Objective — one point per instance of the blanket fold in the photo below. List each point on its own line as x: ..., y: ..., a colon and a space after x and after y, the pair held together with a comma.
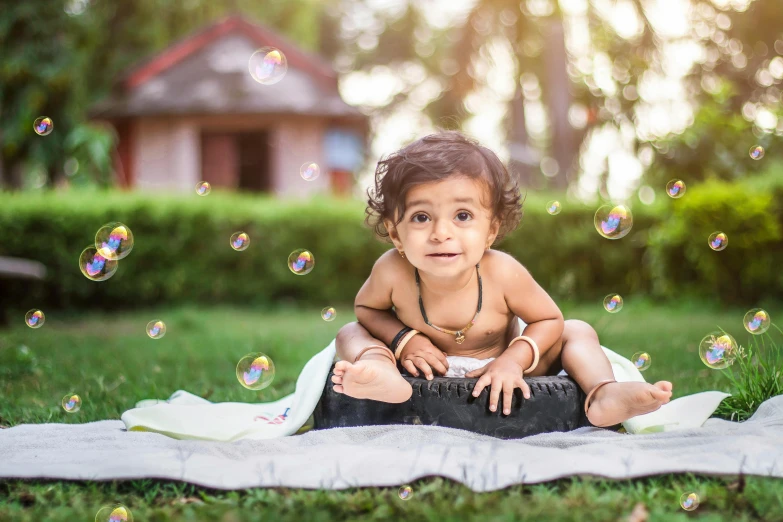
x: 187, y: 416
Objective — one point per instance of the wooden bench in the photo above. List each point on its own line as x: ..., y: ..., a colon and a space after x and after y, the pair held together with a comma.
x: 17, y: 268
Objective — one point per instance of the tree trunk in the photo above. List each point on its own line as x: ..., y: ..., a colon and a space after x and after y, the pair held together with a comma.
x: 522, y: 159
x: 564, y: 147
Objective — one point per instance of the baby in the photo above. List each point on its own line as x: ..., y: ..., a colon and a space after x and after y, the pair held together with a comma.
x: 442, y: 295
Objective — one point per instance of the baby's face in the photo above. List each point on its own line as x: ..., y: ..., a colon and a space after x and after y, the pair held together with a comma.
x: 436, y: 222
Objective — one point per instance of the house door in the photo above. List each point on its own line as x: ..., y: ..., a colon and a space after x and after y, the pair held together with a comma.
x: 236, y: 160
x: 254, y: 161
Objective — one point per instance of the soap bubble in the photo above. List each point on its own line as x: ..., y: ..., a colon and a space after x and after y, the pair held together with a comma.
x: 718, y: 350
x: 115, y: 513
x: 553, y: 207
x: 613, y: 221
x: 43, y: 126
x: 405, y: 492
x: 114, y: 241
x: 613, y: 303
x: 675, y: 188
x: 94, y: 266
x: 641, y: 360
x: 240, y: 241
x: 689, y: 501
x: 34, y: 318
x: 301, y: 261
x: 756, y: 321
x: 328, y: 313
x: 156, y: 329
x: 718, y: 241
x: 255, y: 371
x: 203, y: 188
x: 756, y: 152
x: 268, y: 65
x: 309, y: 171
x: 72, y: 403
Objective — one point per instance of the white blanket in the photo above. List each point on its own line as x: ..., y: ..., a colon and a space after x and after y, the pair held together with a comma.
x: 186, y: 416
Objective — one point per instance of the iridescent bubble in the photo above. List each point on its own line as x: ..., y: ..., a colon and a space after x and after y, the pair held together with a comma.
x: 328, y: 313
x: 72, y: 403
x: 114, y: 241
x: 34, y: 318
x: 43, y: 125
x: 94, y: 266
x: 613, y: 303
x: 641, y: 360
x: 553, y: 207
x: 756, y: 321
x: 114, y: 513
x: 613, y: 221
x: 156, y: 329
x: 309, y: 171
x: 239, y: 241
x: 756, y: 152
x: 301, y: 261
x: 255, y: 371
x: 718, y: 241
x: 718, y: 350
x: 268, y: 65
x: 675, y: 188
x: 405, y: 492
x: 203, y: 188
x: 689, y: 501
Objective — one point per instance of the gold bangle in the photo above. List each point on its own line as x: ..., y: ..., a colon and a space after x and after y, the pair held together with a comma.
x: 403, y: 342
x: 535, y: 351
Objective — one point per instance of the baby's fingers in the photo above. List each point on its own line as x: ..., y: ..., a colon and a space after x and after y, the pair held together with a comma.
x: 408, y: 365
x: 421, y: 363
x: 525, y: 389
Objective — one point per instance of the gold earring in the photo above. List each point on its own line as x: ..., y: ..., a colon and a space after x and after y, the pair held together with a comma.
x: 402, y: 254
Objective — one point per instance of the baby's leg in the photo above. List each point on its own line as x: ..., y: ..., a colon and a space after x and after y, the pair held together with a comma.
x: 585, y: 361
x: 374, y: 376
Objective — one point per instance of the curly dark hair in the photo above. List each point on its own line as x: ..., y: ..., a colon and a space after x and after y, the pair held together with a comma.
x: 434, y: 158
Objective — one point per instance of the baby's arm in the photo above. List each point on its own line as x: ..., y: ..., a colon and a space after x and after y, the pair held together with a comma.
x: 528, y: 301
x: 373, y: 303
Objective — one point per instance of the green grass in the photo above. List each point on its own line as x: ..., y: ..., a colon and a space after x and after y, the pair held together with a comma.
x: 109, y: 361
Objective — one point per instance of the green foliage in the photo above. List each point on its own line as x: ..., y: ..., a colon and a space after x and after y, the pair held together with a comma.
x: 680, y: 260
x: 182, y: 253
x: 759, y: 376
x: 58, y: 65
x: 716, y: 145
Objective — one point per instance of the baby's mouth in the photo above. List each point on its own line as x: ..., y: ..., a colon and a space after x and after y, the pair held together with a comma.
x: 442, y: 255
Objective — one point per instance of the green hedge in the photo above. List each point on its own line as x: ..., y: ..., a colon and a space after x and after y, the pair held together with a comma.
x: 181, y: 251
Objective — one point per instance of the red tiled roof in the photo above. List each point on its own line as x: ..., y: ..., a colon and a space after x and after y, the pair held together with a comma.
x: 263, y: 36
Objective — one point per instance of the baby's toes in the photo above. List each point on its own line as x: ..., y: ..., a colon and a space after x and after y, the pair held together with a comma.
x: 337, y: 379
x: 341, y: 366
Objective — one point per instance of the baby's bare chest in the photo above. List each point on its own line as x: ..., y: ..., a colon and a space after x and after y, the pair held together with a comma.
x: 494, y: 328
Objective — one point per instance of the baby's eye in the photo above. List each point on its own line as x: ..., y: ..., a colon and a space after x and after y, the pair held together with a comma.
x: 416, y: 216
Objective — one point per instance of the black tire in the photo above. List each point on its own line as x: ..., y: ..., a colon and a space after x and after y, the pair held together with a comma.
x: 555, y: 404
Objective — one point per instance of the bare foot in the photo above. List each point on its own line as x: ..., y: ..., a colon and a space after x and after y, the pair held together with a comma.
x: 370, y: 378
x: 619, y: 401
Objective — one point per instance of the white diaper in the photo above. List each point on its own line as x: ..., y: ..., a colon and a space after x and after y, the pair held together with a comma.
x: 459, y: 366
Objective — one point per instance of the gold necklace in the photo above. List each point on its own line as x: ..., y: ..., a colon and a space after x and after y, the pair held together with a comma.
x: 459, y: 334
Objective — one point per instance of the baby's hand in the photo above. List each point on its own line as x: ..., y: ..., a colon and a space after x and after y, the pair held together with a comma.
x: 503, y: 374
x: 419, y: 352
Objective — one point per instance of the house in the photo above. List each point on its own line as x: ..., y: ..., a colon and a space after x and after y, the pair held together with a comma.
x: 194, y: 113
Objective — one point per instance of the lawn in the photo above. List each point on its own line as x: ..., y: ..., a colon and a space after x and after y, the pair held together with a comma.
x: 110, y: 362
